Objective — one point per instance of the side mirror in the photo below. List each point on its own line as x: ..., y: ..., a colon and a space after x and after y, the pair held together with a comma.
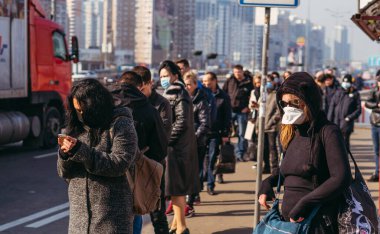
x: 74, y: 49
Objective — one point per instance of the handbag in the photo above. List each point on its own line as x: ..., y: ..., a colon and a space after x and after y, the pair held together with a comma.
x: 274, y: 223
x: 226, y: 162
x: 357, y: 213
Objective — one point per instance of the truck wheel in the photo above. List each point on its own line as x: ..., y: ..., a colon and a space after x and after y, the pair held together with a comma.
x: 52, y: 127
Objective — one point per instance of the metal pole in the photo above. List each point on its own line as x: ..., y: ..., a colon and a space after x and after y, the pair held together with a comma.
x: 358, y: 6
x: 260, y: 147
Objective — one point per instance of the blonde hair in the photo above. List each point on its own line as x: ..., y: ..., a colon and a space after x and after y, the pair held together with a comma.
x: 288, y: 130
x: 190, y: 75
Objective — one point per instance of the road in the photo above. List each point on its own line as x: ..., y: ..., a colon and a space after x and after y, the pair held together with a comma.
x: 33, y: 199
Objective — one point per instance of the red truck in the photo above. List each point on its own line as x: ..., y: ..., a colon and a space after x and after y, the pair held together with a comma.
x: 35, y: 74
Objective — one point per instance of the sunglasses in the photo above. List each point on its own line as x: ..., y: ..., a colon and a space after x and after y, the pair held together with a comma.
x: 296, y: 103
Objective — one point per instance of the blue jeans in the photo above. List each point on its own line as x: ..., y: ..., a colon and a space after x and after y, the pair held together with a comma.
x: 213, y: 152
x: 375, y: 131
x: 137, y: 224
x: 242, y: 145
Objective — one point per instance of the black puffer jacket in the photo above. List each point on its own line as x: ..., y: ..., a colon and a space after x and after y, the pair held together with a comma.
x: 373, y: 104
x: 163, y: 107
x: 345, y: 104
x: 148, y: 124
x: 239, y: 92
x: 201, y: 116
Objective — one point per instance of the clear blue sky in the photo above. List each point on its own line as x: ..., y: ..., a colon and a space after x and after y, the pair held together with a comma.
x: 328, y: 13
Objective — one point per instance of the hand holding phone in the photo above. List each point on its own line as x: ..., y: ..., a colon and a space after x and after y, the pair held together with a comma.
x: 61, y: 137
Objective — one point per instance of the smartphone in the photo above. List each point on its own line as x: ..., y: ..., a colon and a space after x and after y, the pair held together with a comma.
x: 61, y: 137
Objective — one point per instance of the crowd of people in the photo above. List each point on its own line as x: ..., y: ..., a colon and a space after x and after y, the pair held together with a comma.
x: 184, y: 128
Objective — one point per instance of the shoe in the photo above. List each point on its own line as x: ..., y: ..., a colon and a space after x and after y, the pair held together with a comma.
x: 197, y: 200
x: 172, y: 231
x: 240, y: 159
x: 220, y: 179
x: 211, y: 191
x: 189, y: 211
x: 373, y: 178
x: 186, y: 231
x: 169, y: 210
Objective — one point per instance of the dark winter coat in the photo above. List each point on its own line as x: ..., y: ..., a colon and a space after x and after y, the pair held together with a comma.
x: 201, y: 112
x: 345, y: 104
x: 149, y: 127
x: 329, y: 92
x: 163, y: 107
x: 373, y: 104
x: 239, y: 92
x: 99, y: 195
x: 182, y: 161
x: 221, y: 126
x: 315, y: 170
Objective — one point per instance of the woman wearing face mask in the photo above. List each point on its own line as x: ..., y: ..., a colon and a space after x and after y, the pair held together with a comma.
x: 100, y: 146
x: 315, y: 168
x: 345, y: 108
x: 182, y: 161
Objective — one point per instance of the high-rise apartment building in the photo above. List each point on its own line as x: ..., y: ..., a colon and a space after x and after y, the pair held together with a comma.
x: 342, y: 49
x: 93, y: 23
x: 76, y: 23
x: 119, y: 31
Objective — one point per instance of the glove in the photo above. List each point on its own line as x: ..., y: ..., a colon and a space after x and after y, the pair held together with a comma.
x: 347, y: 119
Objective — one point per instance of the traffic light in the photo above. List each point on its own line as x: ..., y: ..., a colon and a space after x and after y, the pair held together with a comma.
x: 197, y: 53
x: 212, y: 56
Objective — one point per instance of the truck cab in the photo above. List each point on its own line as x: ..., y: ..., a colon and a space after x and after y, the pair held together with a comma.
x: 35, y: 76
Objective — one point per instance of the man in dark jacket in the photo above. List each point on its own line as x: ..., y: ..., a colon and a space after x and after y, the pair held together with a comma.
x: 345, y: 108
x: 331, y: 86
x: 149, y: 127
x: 374, y: 103
x: 219, y: 128
x: 239, y: 87
x: 162, y: 105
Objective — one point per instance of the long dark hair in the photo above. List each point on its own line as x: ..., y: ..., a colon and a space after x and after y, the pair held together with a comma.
x: 172, y: 68
x: 97, y: 105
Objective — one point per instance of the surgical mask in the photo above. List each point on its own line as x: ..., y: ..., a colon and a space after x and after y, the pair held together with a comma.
x: 346, y: 85
x: 165, y: 82
x: 293, y: 116
x: 269, y: 85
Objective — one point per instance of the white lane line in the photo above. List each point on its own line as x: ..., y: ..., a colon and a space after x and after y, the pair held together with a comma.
x: 45, y: 155
x: 48, y: 220
x: 33, y: 216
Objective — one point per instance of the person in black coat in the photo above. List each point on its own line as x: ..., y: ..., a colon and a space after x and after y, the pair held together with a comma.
x: 317, y: 172
x: 182, y: 160
x: 345, y: 108
x: 220, y: 128
x: 201, y: 112
x: 331, y: 86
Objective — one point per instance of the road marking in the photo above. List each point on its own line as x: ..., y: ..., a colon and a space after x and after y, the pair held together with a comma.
x: 49, y: 220
x: 33, y: 216
x: 45, y: 155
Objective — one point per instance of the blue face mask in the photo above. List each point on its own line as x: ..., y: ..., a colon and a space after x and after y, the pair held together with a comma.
x: 165, y: 82
x: 346, y: 85
x: 269, y: 85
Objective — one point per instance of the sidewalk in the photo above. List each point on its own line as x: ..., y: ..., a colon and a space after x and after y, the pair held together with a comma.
x: 231, y: 211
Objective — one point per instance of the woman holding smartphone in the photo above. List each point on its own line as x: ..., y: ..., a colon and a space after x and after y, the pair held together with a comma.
x: 93, y: 157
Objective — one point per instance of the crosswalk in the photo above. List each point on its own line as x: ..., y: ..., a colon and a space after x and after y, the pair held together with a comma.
x: 34, y: 221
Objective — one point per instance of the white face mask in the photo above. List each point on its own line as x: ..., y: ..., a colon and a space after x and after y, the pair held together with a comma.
x: 293, y: 116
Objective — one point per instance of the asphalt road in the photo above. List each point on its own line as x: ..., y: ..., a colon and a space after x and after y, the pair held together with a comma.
x: 33, y: 199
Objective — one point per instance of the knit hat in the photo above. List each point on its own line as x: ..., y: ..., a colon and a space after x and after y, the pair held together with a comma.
x: 347, y: 78
x: 302, y: 85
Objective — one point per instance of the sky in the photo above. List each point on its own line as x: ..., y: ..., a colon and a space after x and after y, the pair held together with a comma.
x: 329, y: 13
